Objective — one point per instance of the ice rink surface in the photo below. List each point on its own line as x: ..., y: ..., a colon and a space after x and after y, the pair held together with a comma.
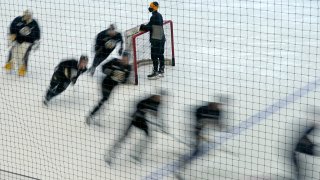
x: 256, y: 52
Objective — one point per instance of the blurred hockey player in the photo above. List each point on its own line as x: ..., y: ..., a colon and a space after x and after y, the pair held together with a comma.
x: 157, y: 40
x: 205, y: 115
x: 106, y: 42
x: 305, y: 145
x: 149, y: 105
x: 209, y: 114
x: 65, y: 73
x: 117, y: 71
x: 24, y: 36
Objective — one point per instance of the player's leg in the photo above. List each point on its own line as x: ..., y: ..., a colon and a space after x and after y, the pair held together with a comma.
x: 25, y: 59
x: 111, y: 154
x: 198, y: 129
x: 107, y: 87
x: 155, y: 60
x: 141, y: 124
x: 161, y: 59
x: 12, y: 58
x: 98, y: 59
x: 24, y: 51
x: 56, y: 87
x: 10, y: 61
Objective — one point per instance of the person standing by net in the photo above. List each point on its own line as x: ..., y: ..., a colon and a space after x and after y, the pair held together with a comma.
x: 157, y: 40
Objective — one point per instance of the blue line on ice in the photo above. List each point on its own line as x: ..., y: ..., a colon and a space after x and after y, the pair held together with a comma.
x: 165, y: 170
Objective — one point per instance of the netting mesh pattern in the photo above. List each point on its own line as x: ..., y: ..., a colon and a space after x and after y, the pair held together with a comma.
x: 257, y: 58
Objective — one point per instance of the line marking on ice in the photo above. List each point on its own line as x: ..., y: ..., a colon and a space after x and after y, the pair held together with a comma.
x: 169, y: 168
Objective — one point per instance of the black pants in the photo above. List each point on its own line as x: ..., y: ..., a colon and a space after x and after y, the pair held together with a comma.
x: 100, y: 57
x: 107, y: 86
x: 57, y: 86
x: 140, y: 123
x: 157, y: 51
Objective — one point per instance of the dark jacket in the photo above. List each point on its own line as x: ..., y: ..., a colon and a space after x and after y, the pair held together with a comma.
x: 68, y: 70
x: 155, y: 26
x: 25, y: 32
x: 101, y: 40
x: 204, y: 112
x: 113, y: 65
x: 144, y: 106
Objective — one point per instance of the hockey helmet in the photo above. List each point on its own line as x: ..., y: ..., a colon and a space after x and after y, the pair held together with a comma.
x: 27, y: 15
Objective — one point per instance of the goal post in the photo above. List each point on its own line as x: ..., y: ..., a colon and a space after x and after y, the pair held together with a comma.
x: 138, y: 45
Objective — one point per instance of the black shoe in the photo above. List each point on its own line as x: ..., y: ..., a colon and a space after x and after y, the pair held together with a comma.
x: 45, y: 102
x: 154, y: 75
x: 88, y: 120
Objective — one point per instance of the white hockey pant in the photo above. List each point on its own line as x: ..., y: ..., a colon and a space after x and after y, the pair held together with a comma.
x: 19, y: 53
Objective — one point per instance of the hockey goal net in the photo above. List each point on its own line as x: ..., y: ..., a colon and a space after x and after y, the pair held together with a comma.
x: 138, y: 45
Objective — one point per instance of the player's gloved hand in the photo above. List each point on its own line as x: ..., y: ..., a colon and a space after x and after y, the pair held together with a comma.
x: 120, y: 51
x: 36, y: 45
x: 142, y: 27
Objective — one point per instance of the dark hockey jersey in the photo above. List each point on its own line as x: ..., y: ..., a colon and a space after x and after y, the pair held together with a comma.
x: 204, y: 112
x: 103, y: 38
x: 155, y: 26
x: 68, y: 70
x: 145, y: 106
x: 116, y: 71
x: 25, y: 32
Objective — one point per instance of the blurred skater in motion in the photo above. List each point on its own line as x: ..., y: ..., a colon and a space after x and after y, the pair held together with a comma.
x: 209, y: 114
x: 24, y: 36
x: 205, y: 115
x: 157, y: 40
x: 65, y: 73
x: 149, y: 105
x: 305, y: 146
x: 117, y: 71
x: 106, y: 42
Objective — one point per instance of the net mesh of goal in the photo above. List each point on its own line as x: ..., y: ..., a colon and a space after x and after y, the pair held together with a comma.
x: 138, y: 45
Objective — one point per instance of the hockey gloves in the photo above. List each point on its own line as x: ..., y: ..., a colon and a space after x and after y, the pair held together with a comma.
x: 120, y: 51
x: 143, y: 27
